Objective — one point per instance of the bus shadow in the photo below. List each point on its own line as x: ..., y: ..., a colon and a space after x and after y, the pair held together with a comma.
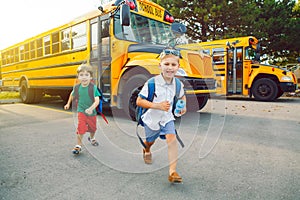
x: 282, y: 99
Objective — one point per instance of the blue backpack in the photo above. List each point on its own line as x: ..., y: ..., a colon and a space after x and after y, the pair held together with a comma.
x: 91, y: 94
x: 151, y: 93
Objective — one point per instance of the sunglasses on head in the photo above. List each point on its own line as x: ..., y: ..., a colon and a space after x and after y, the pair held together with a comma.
x: 171, y: 51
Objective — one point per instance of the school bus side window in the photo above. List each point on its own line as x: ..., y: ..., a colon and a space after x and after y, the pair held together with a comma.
x: 55, y: 42
x: 16, y: 54
x: 47, y: 45
x: 218, y: 55
x: 94, y: 37
x: 27, y: 51
x: 3, y: 59
x: 11, y: 56
x: 21, y: 52
x: 39, y: 47
x: 32, y: 49
x: 65, y: 39
x: 79, y: 38
x: 105, y: 29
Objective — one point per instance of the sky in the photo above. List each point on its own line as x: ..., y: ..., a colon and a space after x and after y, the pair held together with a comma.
x: 21, y: 19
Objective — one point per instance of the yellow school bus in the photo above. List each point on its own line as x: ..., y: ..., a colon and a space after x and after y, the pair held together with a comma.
x: 238, y: 71
x: 122, y: 40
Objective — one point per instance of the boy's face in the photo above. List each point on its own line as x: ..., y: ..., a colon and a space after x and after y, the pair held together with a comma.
x: 169, y: 66
x: 84, y: 77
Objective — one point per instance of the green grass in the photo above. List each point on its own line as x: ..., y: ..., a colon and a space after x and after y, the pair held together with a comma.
x: 9, y: 95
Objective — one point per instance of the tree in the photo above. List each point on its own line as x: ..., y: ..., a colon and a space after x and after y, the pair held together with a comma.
x: 275, y: 23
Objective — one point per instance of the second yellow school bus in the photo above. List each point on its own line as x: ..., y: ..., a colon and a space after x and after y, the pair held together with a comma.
x: 238, y: 71
x: 122, y: 41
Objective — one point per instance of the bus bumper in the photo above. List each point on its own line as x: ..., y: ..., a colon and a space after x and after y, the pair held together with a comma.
x: 198, y: 86
x: 288, y: 87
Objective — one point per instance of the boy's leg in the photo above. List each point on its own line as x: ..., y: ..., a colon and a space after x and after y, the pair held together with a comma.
x: 148, y: 146
x: 79, y: 139
x: 92, y: 127
x: 92, y: 135
x: 151, y: 136
x: 172, y: 152
x: 81, y: 129
x: 92, y: 139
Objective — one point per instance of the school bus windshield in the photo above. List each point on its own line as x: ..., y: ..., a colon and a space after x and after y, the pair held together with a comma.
x: 143, y: 30
x: 251, y: 54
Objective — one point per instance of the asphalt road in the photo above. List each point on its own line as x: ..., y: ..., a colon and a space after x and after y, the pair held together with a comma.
x: 234, y: 149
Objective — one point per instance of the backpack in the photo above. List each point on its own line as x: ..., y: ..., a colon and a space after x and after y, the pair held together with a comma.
x: 151, y: 93
x: 91, y: 94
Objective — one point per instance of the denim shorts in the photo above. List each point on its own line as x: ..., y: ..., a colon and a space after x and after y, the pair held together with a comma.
x: 152, y: 135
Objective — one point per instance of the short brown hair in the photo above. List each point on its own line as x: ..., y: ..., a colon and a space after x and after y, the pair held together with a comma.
x: 85, y: 67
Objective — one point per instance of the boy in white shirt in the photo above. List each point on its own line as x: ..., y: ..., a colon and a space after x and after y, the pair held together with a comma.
x: 158, y: 119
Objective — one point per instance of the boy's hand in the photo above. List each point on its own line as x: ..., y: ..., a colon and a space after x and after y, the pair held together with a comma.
x: 165, y: 105
x: 89, y: 111
x: 183, y: 111
x: 67, y: 106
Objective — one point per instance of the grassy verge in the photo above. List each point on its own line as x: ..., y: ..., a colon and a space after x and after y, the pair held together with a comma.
x: 9, y: 95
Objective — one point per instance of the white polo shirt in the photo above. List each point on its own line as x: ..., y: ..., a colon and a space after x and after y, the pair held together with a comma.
x: 153, y: 118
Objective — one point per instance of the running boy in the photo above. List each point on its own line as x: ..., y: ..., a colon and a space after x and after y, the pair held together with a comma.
x: 86, y: 107
x: 158, y: 119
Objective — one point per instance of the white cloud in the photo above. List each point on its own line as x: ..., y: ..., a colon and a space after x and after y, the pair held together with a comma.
x: 23, y: 19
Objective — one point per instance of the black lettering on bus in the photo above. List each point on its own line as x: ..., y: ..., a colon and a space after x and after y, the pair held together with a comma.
x: 158, y: 12
x: 146, y: 8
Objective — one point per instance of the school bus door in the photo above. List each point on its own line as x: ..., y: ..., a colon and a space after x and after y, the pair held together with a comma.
x: 234, y: 70
x: 100, y: 57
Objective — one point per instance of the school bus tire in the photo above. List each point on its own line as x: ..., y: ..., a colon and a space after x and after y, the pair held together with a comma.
x: 38, y: 94
x: 202, y: 101
x: 196, y: 103
x: 280, y: 93
x: 132, y: 87
x: 26, y: 94
x: 265, y: 89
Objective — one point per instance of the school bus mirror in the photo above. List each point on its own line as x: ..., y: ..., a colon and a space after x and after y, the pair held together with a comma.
x: 178, y: 28
x: 125, y: 15
x: 100, y: 8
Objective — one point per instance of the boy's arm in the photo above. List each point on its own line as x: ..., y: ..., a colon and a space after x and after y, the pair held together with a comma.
x: 165, y: 105
x: 67, y: 106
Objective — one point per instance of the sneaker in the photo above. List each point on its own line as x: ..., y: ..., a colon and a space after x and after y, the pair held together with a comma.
x: 76, y: 149
x: 175, y: 178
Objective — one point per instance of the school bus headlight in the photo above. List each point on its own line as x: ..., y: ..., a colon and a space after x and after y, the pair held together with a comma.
x: 181, y: 72
x: 286, y: 78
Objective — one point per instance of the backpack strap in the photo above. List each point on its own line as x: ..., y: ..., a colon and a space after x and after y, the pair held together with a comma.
x: 91, y: 91
x: 76, y: 92
x: 151, y: 89
x: 178, y: 87
x: 141, y: 111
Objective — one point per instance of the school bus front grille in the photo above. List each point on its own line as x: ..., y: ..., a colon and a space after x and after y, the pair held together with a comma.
x: 199, y: 84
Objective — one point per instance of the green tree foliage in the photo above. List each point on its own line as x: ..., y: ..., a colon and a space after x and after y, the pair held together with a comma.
x: 276, y: 23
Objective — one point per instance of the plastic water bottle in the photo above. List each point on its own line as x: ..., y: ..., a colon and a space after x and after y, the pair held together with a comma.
x: 179, y: 106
